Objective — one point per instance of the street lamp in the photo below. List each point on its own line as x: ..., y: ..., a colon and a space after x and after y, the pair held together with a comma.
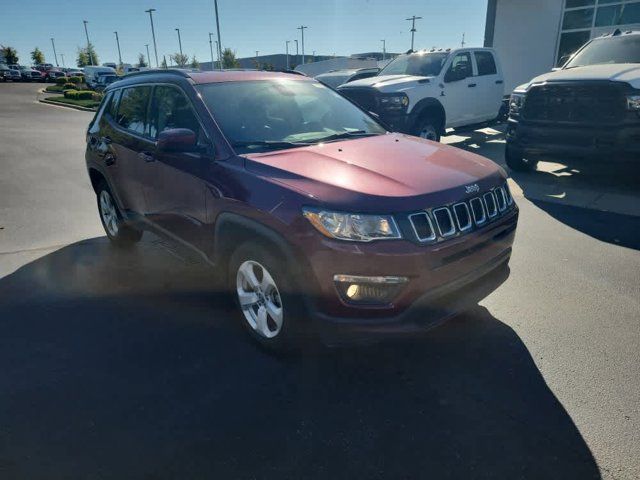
x: 215, y: 3
x: 62, y: 56
x: 153, y: 34
x: 287, y: 50
x: 301, y: 28
x: 54, y: 51
x: 211, y: 48
x: 148, y: 57
x: 413, y: 27
x: 88, y: 43
x: 296, y: 50
x: 119, y: 53
x: 384, y: 50
x: 179, y: 41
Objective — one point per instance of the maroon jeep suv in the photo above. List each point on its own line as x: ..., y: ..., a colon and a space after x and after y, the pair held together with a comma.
x: 316, y: 217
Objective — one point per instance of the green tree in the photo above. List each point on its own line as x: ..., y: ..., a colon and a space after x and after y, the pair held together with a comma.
x: 163, y: 64
x: 268, y: 66
x: 180, y: 59
x: 229, y: 59
x: 37, y: 56
x: 195, y: 64
x: 87, y: 56
x: 9, y: 53
x: 141, y: 60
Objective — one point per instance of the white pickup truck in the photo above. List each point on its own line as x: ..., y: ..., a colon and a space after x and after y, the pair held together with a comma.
x: 423, y: 93
x: 587, y: 110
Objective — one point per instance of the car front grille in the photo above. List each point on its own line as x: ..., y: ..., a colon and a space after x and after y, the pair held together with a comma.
x: 449, y: 221
x: 364, y: 97
x: 575, y: 103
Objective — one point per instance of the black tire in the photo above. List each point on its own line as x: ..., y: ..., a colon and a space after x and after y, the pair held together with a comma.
x: 428, y: 127
x: 289, y: 335
x: 516, y: 160
x: 119, y: 232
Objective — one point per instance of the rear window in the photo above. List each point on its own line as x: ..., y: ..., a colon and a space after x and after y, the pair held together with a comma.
x: 486, y: 63
x: 132, y: 110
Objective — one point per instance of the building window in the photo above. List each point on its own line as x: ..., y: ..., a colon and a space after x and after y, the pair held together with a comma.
x: 573, y: 19
x: 570, y: 42
x: 608, y: 15
x: 630, y: 13
x: 579, y: 3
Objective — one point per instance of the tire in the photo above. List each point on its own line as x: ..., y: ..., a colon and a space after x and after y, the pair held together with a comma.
x: 428, y: 127
x: 119, y: 233
x: 267, y: 309
x: 516, y: 160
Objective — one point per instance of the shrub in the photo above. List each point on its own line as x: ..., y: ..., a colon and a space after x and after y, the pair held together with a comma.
x: 69, y: 86
x: 97, y: 96
x: 61, y: 80
x: 75, y: 79
x: 85, y: 94
x: 70, y: 93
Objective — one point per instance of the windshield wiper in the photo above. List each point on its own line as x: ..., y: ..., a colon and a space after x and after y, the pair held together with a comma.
x: 343, y: 135
x: 269, y: 144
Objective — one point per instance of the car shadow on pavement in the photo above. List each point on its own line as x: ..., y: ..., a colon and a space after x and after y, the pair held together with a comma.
x: 125, y: 365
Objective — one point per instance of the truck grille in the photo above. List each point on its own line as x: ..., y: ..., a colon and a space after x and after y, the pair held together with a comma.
x: 448, y: 221
x: 575, y: 103
x: 364, y: 97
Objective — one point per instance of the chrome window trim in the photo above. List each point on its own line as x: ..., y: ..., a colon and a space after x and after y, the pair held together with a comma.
x: 486, y: 204
x: 433, y: 235
x: 455, y: 212
x: 453, y: 225
x: 473, y: 212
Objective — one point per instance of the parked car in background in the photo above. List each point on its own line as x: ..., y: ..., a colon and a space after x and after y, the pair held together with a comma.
x: 103, y: 80
x: 336, y: 78
x: 587, y: 110
x: 72, y: 72
x: 292, y: 192
x: 9, y: 74
x: 110, y: 64
x: 91, y: 74
x: 425, y: 92
x: 30, y: 74
x: 53, y: 73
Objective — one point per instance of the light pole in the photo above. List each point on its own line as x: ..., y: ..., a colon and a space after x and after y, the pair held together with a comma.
x: 296, y: 51
x: 88, y: 43
x: 119, y: 53
x: 148, y: 57
x: 314, y: 55
x: 413, y: 28
x: 153, y: 34
x: 62, y: 56
x: 215, y: 3
x: 219, y: 60
x: 301, y: 28
x: 211, y: 48
x: 384, y: 50
x: 287, y: 50
x: 54, y: 51
x: 179, y: 41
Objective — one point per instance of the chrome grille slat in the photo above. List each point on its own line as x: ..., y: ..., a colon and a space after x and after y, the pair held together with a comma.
x: 414, y: 218
x: 483, y: 218
x: 490, y: 204
x: 449, y: 231
x: 468, y: 224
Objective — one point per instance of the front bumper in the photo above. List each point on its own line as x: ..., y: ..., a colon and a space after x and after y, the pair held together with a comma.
x: 613, y: 142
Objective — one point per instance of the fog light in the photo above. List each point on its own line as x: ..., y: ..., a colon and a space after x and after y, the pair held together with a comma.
x: 368, y: 290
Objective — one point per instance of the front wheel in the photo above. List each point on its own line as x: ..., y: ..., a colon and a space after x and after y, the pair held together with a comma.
x: 428, y: 128
x: 516, y: 160
x: 117, y: 230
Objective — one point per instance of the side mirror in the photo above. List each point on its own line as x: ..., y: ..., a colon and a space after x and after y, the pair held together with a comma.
x: 177, y: 140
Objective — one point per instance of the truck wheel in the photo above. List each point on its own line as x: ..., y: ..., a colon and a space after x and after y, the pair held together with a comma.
x: 261, y: 285
x: 118, y: 232
x: 428, y: 128
x: 516, y: 161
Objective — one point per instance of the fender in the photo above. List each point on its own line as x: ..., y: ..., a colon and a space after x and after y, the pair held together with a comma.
x: 424, y: 104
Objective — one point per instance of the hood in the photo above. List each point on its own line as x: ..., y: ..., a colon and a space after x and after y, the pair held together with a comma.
x: 398, y: 170
x: 388, y: 82
x: 617, y: 72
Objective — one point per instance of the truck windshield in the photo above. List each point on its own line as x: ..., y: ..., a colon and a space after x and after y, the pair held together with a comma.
x: 624, y: 49
x: 267, y: 115
x: 420, y: 64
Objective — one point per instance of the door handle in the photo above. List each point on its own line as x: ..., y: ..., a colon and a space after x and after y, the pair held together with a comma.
x: 147, y: 157
x: 499, y: 82
x: 471, y: 85
x: 105, y: 140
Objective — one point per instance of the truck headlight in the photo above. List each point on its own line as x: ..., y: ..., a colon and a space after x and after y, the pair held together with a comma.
x: 516, y: 103
x: 353, y: 226
x: 395, y: 101
x: 633, y: 103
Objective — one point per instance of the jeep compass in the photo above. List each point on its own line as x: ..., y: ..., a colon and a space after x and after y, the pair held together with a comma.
x: 317, y: 219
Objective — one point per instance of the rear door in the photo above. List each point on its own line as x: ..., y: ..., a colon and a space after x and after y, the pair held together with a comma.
x: 489, y: 85
x: 176, y: 189
x: 130, y: 146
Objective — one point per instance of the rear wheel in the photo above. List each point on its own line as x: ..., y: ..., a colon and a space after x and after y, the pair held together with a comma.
x: 117, y: 230
x: 517, y: 161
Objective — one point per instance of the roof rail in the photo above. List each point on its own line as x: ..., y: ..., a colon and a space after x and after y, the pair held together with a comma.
x: 174, y: 71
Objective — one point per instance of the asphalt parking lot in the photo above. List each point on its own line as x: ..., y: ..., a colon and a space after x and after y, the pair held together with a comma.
x: 126, y: 364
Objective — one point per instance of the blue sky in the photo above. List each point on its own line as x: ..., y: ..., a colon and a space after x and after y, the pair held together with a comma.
x: 335, y: 26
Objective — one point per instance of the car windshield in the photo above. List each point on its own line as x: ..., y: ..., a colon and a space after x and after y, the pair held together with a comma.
x: 624, y: 49
x: 420, y: 64
x: 267, y: 115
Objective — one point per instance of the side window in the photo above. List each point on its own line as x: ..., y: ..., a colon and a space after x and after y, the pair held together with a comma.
x: 112, y: 108
x: 171, y: 109
x: 132, y: 109
x: 486, y: 63
x: 94, y: 126
x: 461, y: 65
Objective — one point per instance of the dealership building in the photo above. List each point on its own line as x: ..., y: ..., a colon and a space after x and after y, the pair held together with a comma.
x: 531, y: 36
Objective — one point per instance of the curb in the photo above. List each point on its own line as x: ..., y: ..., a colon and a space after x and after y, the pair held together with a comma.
x: 60, y: 104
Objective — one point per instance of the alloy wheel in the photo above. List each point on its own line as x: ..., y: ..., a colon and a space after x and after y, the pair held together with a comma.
x: 109, y: 213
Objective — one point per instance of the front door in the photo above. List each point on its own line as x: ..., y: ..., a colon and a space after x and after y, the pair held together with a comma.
x: 459, y: 93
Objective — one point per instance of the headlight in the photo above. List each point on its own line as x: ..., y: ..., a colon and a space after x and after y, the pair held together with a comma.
x: 397, y: 101
x: 352, y: 226
x: 516, y: 102
x: 633, y: 102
